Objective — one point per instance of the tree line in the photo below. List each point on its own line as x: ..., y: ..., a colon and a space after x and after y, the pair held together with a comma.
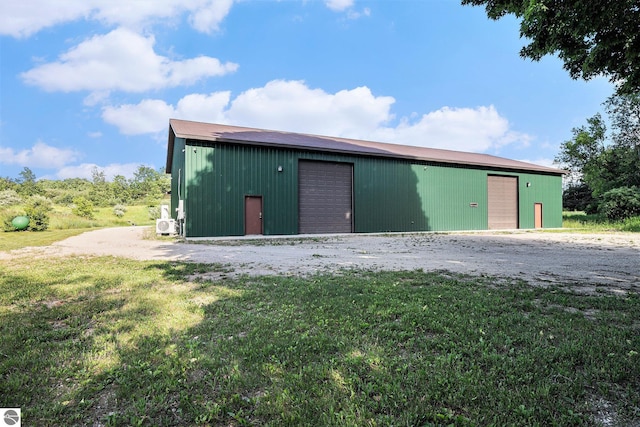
x: 604, y: 161
x: 37, y: 196
x: 146, y: 185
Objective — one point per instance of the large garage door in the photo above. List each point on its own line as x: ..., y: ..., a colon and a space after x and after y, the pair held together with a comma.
x: 502, y: 202
x: 325, y: 194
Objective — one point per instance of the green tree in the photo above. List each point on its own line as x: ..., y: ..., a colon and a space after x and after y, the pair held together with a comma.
x: 8, y: 184
x: 148, y: 183
x: 63, y: 191
x: 582, y: 154
x: 120, y: 188
x: 101, y: 193
x: 28, y: 186
x: 606, y: 161
x: 591, y: 37
x: 624, y: 114
x: 27, y: 175
x: 577, y: 197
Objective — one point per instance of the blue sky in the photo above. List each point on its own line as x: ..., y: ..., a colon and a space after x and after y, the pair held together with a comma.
x: 93, y: 83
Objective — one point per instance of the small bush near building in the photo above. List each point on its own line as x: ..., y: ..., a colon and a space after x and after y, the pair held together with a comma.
x: 37, y: 209
x: 119, y: 210
x: 620, y: 203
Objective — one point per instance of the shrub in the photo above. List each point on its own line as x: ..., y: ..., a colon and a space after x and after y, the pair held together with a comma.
x: 9, y: 198
x: 154, y: 212
x: 7, y: 216
x: 37, y: 209
x: 620, y: 203
x: 119, y: 210
x: 83, y: 207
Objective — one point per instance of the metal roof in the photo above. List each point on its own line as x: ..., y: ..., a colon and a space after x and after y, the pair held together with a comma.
x: 210, y: 132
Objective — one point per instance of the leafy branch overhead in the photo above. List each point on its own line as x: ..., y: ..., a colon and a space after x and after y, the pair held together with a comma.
x: 593, y: 37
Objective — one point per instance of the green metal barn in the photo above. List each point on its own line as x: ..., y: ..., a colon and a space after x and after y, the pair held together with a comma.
x: 231, y: 181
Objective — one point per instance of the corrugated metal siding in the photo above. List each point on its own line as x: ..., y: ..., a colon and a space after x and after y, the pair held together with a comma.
x: 177, y: 175
x: 389, y: 194
x: 199, y: 172
x: 221, y: 176
x: 455, y: 198
x: 545, y: 189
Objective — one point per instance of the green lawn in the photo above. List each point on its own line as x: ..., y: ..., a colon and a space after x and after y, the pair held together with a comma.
x: 142, y: 343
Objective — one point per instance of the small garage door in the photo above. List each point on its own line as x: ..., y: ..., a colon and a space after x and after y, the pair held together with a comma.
x: 325, y: 197
x: 502, y: 202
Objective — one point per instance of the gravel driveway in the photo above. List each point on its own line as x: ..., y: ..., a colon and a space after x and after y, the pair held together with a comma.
x: 584, y: 261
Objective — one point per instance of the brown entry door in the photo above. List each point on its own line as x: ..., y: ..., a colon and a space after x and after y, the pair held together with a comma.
x: 537, y: 215
x: 253, y: 215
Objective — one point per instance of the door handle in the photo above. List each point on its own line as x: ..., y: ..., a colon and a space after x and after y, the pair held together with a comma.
x: 260, y: 215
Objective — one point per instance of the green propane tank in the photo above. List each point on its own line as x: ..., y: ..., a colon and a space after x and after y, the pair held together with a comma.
x: 20, y: 222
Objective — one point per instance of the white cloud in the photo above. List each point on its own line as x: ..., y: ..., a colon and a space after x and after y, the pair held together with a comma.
x: 121, y: 60
x: 293, y: 106
x: 203, y: 108
x: 356, y: 113
x: 152, y: 115
x: 208, y: 17
x: 347, y: 5
x: 339, y: 5
x: 24, y: 18
x: 85, y: 170
x: 41, y: 155
x: 466, y: 129
x: 353, y: 14
x: 138, y: 119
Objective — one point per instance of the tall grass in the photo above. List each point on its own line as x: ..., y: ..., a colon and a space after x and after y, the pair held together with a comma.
x: 63, y: 218
x: 598, y: 223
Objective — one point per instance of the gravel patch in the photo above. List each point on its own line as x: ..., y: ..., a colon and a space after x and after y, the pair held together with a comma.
x: 586, y: 262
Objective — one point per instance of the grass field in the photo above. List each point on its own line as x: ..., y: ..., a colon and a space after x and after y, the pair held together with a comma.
x: 65, y: 224
x: 120, y: 342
